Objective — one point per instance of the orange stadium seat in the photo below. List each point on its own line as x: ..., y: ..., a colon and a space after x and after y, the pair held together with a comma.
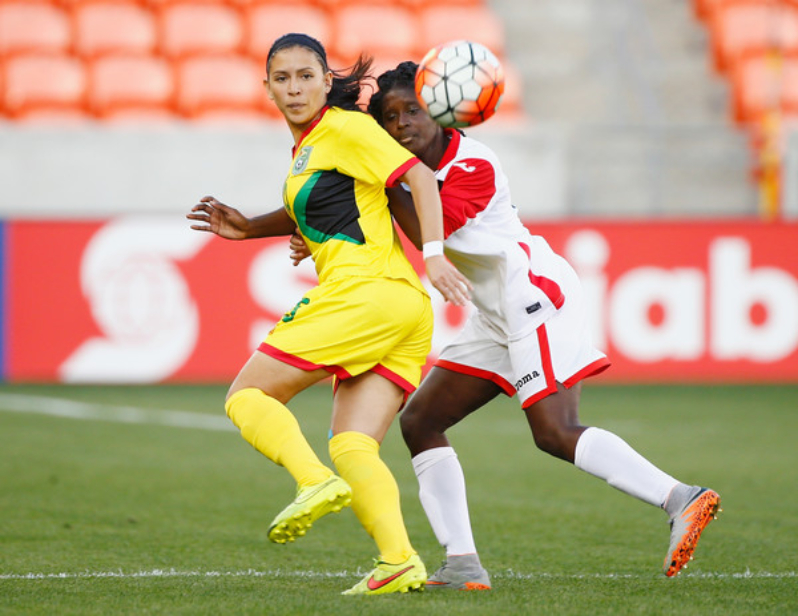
x: 159, y: 4
x: 42, y: 83
x: 33, y: 27
x: 244, y: 4
x: 441, y: 24
x: 71, y: 5
x: 113, y: 27
x: 379, y: 65
x: 386, y: 62
x: 334, y: 5
x: 265, y: 22
x: 220, y: 84
x: 755, y: 86
x: 703, y: 9
x: 764, y: 82
x: 741, y: 26
x: 423, y: 4
x: 131, y: 85
x: 374, y: 29
x: 188, y: 28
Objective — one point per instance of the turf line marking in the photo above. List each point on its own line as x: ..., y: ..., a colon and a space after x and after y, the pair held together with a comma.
x: 167, y: 573
x: 93, y: 411
x: 278, y: 573
x: 747, y: 574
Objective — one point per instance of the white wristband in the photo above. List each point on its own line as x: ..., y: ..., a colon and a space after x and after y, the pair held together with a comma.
x: 432, y: 249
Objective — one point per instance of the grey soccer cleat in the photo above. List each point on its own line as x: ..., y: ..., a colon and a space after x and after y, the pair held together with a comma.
x: 460, y: 573
x: 692, y: 508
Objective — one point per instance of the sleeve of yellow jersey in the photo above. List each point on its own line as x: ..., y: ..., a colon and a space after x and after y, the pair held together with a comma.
x: 368, y: 152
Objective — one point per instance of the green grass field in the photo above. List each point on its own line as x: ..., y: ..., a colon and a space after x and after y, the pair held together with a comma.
x: 143, y: 500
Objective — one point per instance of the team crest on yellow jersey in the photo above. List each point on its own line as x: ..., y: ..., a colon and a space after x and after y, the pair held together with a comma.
x: 301, y: 161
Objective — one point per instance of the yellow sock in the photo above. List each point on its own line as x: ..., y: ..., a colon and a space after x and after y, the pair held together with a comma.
x: 375, y: 495
x: 272, y: 429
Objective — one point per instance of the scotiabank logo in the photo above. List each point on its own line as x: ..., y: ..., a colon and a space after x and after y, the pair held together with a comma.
x: 140, y: 301
x: 146, y: 299
x: 754, y: 311
x: 719, y: 310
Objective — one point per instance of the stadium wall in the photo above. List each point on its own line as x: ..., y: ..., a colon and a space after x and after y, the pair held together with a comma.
x: 140, y: 298
x: 99, y: 171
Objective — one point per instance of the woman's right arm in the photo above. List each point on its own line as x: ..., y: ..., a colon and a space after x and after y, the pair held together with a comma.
x: 228, y: 222
x: 400, y: 202
x: 454, y: 287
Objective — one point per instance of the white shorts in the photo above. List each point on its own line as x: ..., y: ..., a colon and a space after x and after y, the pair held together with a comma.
x: 559, y: 350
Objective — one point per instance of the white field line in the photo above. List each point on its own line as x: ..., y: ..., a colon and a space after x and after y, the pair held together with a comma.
x: 508, y: 574
x: 92, y: 411
x: 70, y: 409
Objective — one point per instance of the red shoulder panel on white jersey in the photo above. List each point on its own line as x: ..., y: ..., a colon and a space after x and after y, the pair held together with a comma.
x: 468, y: 177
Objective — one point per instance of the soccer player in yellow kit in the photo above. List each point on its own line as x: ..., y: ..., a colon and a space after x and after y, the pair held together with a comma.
x: 369, y: 320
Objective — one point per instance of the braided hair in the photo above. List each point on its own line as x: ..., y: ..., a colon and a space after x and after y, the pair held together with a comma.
x: 403, y: 76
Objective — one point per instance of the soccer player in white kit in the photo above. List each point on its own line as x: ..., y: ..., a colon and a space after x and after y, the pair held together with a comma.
x: 528, y: 336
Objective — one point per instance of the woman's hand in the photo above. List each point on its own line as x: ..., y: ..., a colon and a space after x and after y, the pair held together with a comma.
x: 454, y: 287
x: 299, y: 249
x: 218, y: 218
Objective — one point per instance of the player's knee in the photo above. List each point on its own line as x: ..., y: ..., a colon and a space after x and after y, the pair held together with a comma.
x: 409, y: 423
x: 545, y: 441
x: 419, y: 423
x: 555, y: 441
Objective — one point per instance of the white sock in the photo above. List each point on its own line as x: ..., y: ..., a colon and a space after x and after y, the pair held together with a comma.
x: 609, y: 457
x: 442, y: 493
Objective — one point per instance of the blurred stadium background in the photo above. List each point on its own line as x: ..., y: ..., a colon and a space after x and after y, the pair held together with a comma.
x: 653, y: 141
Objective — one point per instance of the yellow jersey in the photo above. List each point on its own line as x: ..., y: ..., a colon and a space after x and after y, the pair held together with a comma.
x: 335, y: 192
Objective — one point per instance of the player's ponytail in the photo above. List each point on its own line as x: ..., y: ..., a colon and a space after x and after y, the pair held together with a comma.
x: 346, y: 87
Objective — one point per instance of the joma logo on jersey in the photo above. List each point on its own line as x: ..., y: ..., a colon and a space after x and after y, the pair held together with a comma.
x: 527, y: 378
x: 464, y: 166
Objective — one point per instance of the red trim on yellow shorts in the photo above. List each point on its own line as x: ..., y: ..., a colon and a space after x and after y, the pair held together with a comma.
x: 506, y: 387
x: 298, y: 362
x: 340, y: 373
x: 406, y: 385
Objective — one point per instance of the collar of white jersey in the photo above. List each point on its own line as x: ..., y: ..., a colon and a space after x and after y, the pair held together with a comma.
x: 451, y: 149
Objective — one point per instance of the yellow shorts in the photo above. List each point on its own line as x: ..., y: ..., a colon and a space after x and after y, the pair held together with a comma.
x: 349, y: 326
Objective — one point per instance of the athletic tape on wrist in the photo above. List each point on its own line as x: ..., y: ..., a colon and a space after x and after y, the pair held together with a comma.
x: 432, y: 249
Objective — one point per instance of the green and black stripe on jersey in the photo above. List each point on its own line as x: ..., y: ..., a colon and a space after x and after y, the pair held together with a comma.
x: 326, y: 209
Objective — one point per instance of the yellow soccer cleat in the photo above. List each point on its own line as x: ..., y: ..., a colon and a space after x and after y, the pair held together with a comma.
x: 410, y: 575
x: 310, y: 504
x: 701, y: 506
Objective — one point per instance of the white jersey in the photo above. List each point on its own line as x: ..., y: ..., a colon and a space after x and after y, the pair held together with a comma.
x: 516, y: 275
x: 531, y: 328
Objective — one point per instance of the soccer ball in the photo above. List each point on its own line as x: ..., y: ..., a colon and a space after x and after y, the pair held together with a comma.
x: 460, y: 83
